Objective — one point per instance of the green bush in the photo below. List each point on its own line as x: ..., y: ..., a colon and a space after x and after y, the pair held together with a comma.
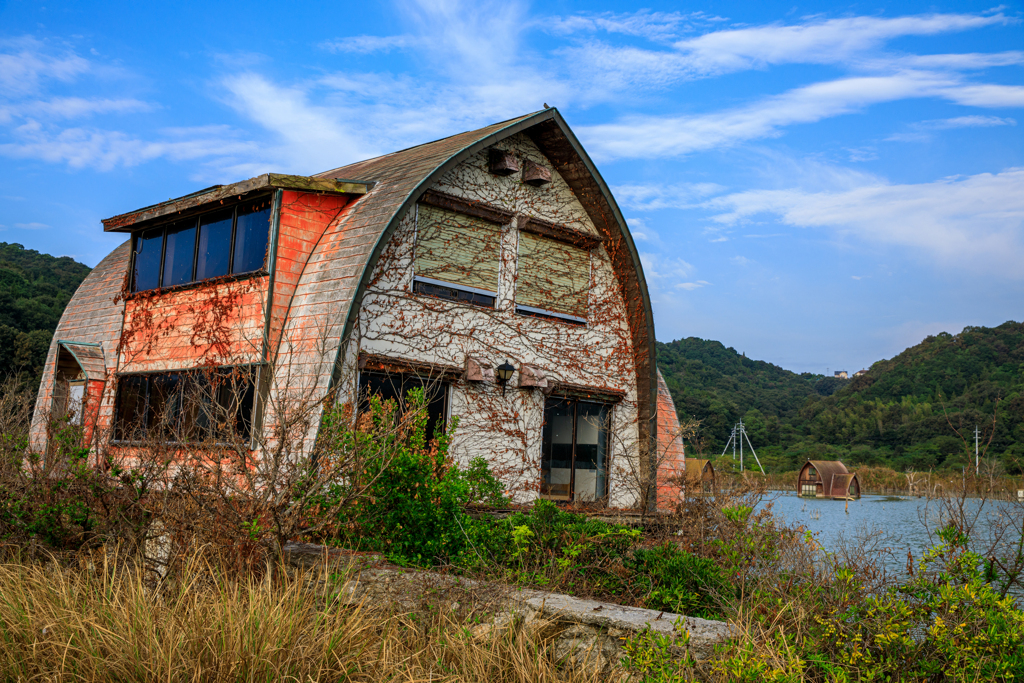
x: 412, y: 506
x: 677, y: 581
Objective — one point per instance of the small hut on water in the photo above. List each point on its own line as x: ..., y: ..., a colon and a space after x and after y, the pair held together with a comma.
x: 827, y: 479
x: 700, y: 475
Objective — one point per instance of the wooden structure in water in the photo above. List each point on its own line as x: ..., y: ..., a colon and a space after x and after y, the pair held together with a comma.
x: 700, y: 476
x: 827, y: 479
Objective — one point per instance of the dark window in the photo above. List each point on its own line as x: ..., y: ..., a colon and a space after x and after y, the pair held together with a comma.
x: 223, y: 242
x: 396, y: 387
x: 574, y: 451
x: 130, y: 421
x: 214, y: 252
x: 453, y: 294
x: 148, y: 248
x: 179, y: 253
x: 252, y: 231
x: 186, y: 406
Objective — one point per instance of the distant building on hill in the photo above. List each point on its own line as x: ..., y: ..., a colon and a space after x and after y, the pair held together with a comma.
x: 860, y: 372
x: 841, y: 374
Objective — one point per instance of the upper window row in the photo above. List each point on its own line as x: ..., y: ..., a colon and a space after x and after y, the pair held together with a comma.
x: 458, y: 257
x: 224, y: 242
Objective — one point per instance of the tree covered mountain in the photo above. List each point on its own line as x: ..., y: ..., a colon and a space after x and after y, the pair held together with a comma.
x: 34, y: 289
x: 906, y: 412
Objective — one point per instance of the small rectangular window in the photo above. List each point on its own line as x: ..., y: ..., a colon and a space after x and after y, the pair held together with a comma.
x: 148, y: 248
x: 457, y: 251
x: 252, y: 232
x: 179, y: 253
x: 553, y: 278
x: 214, y: 253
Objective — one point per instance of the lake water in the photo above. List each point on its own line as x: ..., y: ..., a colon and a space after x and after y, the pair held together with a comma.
x: 895, y: 524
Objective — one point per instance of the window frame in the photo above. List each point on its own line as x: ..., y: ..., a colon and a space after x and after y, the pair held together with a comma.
x: 544, y: 313
x: 401, y: 382
x: 421, y: 283
x: 574, y: 401
x: 255, y: 371
x: 197, y: 219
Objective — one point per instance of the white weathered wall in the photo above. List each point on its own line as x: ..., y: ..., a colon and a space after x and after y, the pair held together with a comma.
x: 507, y: 430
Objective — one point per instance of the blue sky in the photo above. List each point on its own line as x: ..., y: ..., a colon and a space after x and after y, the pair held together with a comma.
x: 818, y: 186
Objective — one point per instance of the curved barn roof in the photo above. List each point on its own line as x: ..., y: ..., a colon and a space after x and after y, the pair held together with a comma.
x: 338, y: 270
x: 336, y: 273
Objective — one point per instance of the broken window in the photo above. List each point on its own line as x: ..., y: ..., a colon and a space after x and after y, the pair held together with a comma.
x: 574, y: 451
x: 186, y: 406
x: 228, y: 241
x: 457, y: 256
x: 553, y: 279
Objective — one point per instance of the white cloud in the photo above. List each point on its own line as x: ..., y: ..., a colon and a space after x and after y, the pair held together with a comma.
x: 975, y: 221
x: 652, y: 196
x: 659, y: 26
x: 690, y: 286
x: 651, y: 136
x: 368, y: 44
x: 741, y: 261
x: 821, y: 41
x: 31, y: 226
x: 26, y: 62
x: 72, y: 107
x: 103, y: 150
x: 967, y: 122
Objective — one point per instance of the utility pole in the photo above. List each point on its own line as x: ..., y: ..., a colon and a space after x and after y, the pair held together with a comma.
x: 976, y: 436
x: 741, y: 444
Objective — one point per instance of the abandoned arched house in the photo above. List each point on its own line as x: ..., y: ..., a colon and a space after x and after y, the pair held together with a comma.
x: 438, y: 263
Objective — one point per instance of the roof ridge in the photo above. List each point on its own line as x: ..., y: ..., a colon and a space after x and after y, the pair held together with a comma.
x: 432, y: 142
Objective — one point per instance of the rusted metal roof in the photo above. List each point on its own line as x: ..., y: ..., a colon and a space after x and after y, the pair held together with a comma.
x: 826, y: 469
x: 89, y: 357
x: 127, y: 222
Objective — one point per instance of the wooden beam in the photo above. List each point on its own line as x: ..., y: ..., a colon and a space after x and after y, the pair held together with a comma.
x: 467, y: 207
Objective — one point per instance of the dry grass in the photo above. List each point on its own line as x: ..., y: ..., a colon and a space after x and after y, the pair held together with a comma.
x: 59, y: 623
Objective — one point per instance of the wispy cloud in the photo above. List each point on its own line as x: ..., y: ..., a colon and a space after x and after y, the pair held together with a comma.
x: 816, y: 41
x: 104, y: 150
x: 26, y: 63
x: 652, y: 196
x: 369, y: 44
x: 664, y: 136
x: 656, y: 26
x: 975, y: 221
x: 967, y: 122
x: 31, y: 226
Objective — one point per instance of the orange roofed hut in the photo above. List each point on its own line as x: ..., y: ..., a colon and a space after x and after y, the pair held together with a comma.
x: 431, y: 266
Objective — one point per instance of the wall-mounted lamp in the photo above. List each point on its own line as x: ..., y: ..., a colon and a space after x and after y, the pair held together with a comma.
x: 503, y: 373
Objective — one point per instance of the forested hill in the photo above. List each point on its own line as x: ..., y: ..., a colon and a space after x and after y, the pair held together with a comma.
x: 899, y: 414
x: 34, y: 289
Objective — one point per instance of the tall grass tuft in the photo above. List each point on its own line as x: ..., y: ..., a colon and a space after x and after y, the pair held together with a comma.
x: 61, y: 623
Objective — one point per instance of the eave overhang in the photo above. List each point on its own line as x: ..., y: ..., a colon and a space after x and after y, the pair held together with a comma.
x: 127, y: 222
